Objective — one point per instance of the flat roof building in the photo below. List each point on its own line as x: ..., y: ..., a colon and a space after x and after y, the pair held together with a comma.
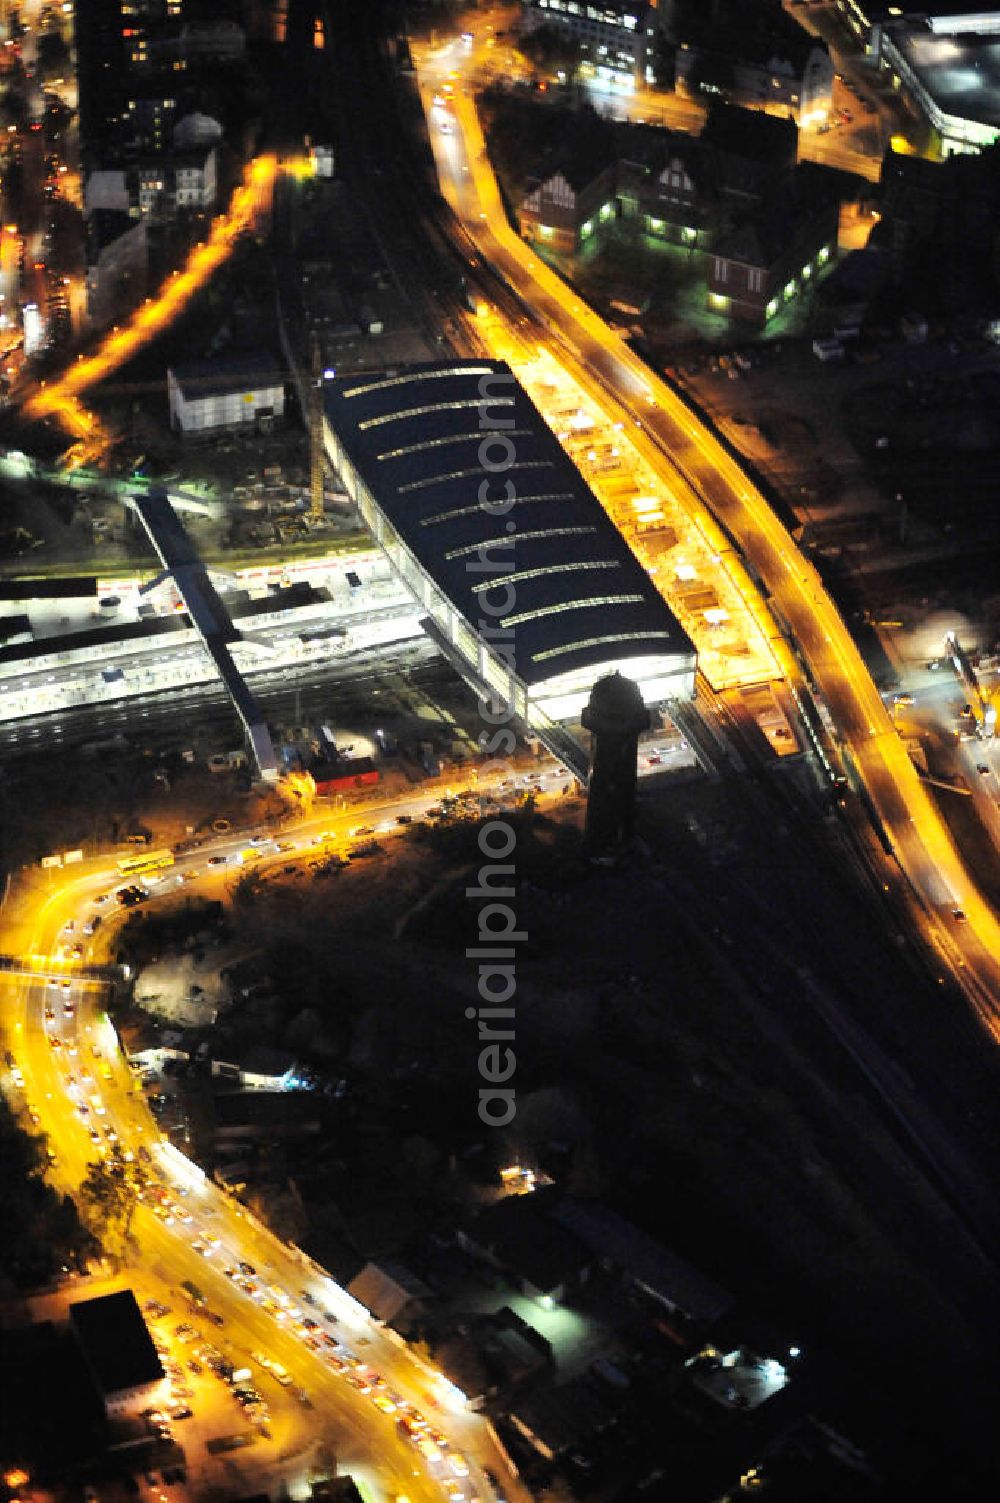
x: 554, y: 1420
x: 862, y: 16
x: 643, y: 1262
x: 228, y: 392
x: 343, y: 774
x: 616, y: 37
x: 544, y: 1257
x: 119, y: 1351
x: 126, y: 102
x: 117, y: 265
x: 76, y: 587
x: 528, y: 586
x: 264, y: 1068
x: 50, y: 1411
x: 948, y: 63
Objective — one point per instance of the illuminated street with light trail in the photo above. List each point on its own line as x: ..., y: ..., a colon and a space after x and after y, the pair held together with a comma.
x: 60, y: 398
x: 232, y: 1232
x: 499, y: 774
x: 692, y: 455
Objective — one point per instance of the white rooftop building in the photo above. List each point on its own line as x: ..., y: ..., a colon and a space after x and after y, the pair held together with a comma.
x: 238, y: 392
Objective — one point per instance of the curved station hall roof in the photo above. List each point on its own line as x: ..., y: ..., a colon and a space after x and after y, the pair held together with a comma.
x: 464, y: 469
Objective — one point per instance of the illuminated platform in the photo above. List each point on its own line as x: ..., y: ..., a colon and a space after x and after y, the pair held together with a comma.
x: 691, y: 564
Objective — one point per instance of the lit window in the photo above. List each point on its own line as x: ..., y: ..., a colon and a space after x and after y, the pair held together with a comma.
x: 453, y: 438
x: 421, y: 485
x: 523, y: 574
x: 412, y: 412
x: 471, y: 511
x: 390, y: 381
x: 572, y: 605
x: 521, y: 537
x: 581, y: 646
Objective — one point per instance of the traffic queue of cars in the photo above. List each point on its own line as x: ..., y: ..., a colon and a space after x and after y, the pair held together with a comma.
x: 448, y: 1467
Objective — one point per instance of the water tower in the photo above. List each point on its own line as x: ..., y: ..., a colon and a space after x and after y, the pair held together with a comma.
x: 614, y: 717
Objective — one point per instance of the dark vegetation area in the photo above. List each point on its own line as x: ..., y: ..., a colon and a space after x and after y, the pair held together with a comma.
x: 107, y: 795
x: 526, y: 134
x: 147, y: 934
x: 942, y: 223
x: 42, y: 1235
x: 940, y: 447
x: 669, y: 1072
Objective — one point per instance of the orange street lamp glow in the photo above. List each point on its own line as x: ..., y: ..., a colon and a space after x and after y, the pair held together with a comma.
x: 249, y: 201
x: 920, y: 838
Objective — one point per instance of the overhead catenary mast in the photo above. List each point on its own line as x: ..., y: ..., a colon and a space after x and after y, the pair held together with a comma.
x: 316, y: 434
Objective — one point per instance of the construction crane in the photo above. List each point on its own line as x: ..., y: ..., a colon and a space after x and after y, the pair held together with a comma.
x: 316, y: 434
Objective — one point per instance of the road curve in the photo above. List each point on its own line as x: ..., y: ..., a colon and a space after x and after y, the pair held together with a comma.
x: 56, y: 1087
x: 915, y: 828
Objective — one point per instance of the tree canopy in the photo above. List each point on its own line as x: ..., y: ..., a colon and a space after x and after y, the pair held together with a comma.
x: 551, y: 48
x: 42, y: 1232
x: 109, y: 1194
